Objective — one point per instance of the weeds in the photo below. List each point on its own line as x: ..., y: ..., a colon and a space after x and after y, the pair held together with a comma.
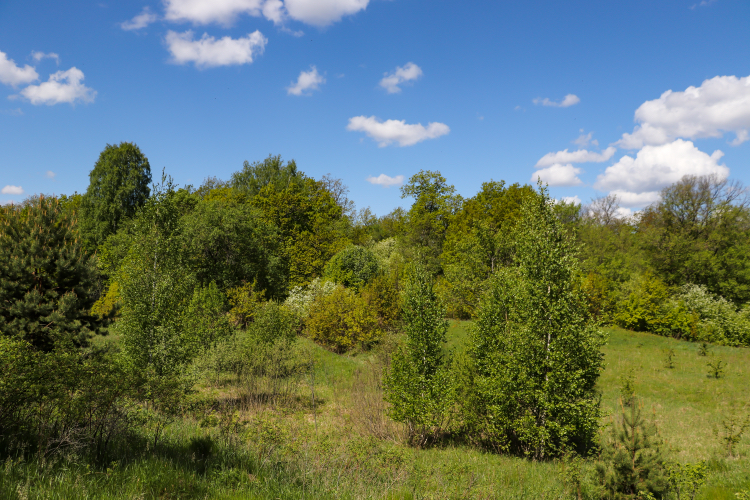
x: 716, y: 368
x: 669, y: 358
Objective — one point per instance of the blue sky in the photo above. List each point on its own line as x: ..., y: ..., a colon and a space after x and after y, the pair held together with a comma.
x: 378, y: 89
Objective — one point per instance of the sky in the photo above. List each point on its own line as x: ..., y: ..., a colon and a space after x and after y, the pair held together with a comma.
x: 596, y: 98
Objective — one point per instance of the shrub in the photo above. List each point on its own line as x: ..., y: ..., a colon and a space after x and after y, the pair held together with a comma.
x: 383, y: 296
x: 353, y: 267
x: 720, y: 321
x: 245, y: 300
x: 341, y: 320
x: 301, y: 297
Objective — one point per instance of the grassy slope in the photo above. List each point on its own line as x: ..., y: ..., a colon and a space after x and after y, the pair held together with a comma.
x: 337, y: 459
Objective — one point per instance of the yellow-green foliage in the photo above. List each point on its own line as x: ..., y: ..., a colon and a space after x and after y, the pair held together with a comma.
x: 108, y: 305
x: 599, y: 291
x: 646, y: 307
x: 341, y: 320
x: 382, y: 296
x: 245, y: 300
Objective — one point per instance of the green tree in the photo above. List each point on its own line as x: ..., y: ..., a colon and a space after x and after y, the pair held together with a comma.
x: 699, y: 233
x: 47, y: 282
x: 427, y: 222
x: 536, y: 352
x: 230, y: 242
x: 118, y: 187
x: 418, y: 385
x: 270, y: 172
x: 353, y: 267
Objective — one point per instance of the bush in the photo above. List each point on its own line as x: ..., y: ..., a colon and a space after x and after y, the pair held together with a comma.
x: 720, y: 321
x: 301, y: 297
x: 352, y: 267
x: 245, y: 300
x: 341, y: 320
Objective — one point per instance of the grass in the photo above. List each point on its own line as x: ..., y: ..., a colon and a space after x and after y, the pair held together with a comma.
x: 345, y: 449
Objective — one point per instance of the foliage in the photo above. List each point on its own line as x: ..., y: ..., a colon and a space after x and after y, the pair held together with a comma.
x: 118, y: 187
x: 245, y: 300
x: 341, y: 320
x: 732, y: 429
x: 716, y: 368
x: 719, y: 320
x: 536, y: 351
x: 354, y: 267
x: 47, y: 281
x: 697, y: 234
x: 685, y: 480
x: 632, y: 456
x: 272, y: 172
x: 418, y: 385
x: 301, y: 297
x: 435, y: 205
x: 205, y: 320
x: 229, y: 242
x: 383, y: 296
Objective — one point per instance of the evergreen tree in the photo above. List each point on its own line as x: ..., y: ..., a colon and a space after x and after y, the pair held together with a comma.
x: 118, y: 187
x: 536, y: 352
x: 418, y: 385
x: 47, y: 282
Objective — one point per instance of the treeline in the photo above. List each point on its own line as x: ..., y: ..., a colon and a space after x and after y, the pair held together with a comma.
x: 226, y: 276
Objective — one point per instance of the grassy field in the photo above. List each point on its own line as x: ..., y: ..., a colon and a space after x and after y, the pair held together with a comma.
x: 341, y: 446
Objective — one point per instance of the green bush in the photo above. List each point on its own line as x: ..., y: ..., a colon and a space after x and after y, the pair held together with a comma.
x: 352, y: 267
x: 342, y: 320
x: 720, y: 321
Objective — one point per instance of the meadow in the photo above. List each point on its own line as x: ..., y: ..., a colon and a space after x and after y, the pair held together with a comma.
x: 326, y: 436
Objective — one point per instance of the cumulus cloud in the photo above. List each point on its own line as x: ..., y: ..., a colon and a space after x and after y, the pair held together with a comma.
x: 721, y: 104
x: 584, y: 140
x: 386, y: 181
x: 407, y: 73
x: 140, y: 21
x: 307, y: 81
x: 12, y: 190
x: 63, y: 86
x: 50, y: 174
x: 637, y: 181
x: 559, y: 175
x: 210, y: 52
x: 568, y: 100
x: 13, y: 75
x: 38, y: 56
x: 398, y: 131
x: 580, y: 156
x: 319, y: 13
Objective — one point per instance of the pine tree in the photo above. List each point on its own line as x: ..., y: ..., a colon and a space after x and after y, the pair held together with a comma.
x: 418, y: 385
x: 536, y: 352
x: 47, y: 281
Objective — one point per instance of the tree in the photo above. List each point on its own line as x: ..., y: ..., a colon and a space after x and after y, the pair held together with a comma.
x: 270, y: 172
x: 352, y: 267
x: 418, y: 385
x: 118, y: 187
x: 428, y: 219
x: 699, y: 233
x: 47, y: 282
x: 536, y: 353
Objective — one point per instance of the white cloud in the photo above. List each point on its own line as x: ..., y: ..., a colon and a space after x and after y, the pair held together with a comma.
x: 719, y: 105
x: 569, y: 100
x: 386, y: 181
x: 38, y: 56
x: 13, y: 75
x: 585, y: 139
x: 210, y: 11
x: 323, y: 12
x: 12, y: 190
x: 559, y: 175
x: 580, y: 156
x: 210, y: 52
x: 741, y: 136
x: 140, y: 21
x: 572, y: 199
x: 307, y: 81
x: 11, y: 112
x: 319, y: 13
x: 407, y: 73
x: 63, y: 86
x: 637, y: 181
x: 50, y: 174
x: 396, y: 130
